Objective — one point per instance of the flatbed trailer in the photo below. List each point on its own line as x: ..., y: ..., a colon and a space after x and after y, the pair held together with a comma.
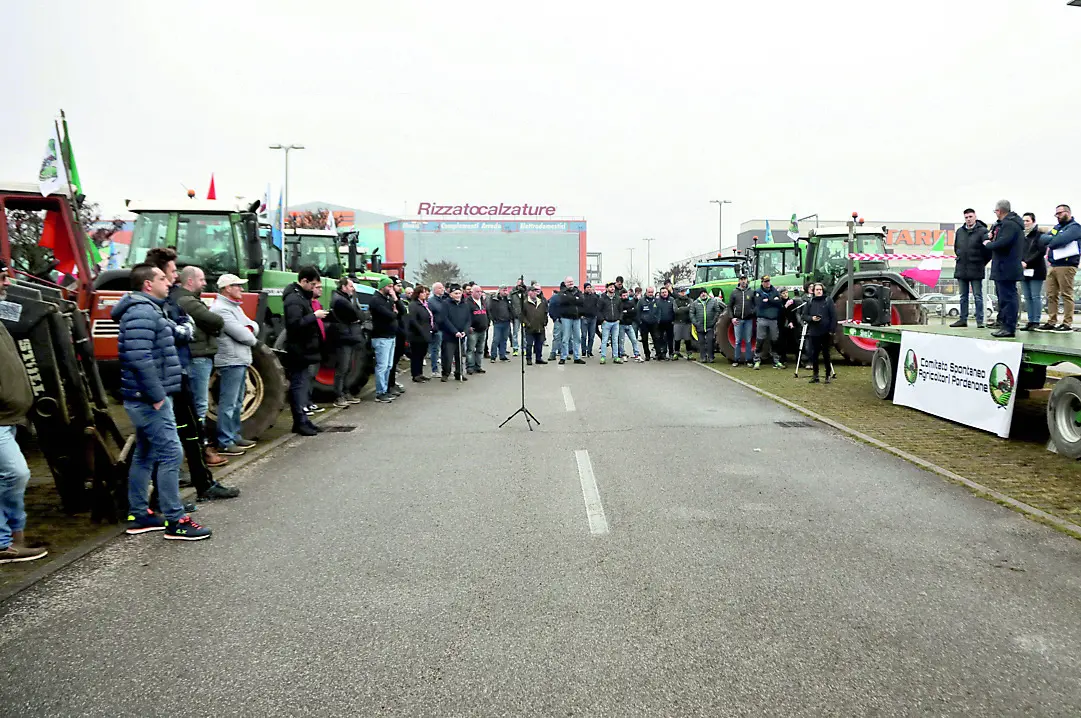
x: 1039, y: 350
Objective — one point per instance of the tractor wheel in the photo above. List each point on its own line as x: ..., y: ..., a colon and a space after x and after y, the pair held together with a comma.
x: 725, y: 336
x: 856, y: 349
x: 884, y: 370
x: 1064, y: 417
x: 264, y: 397
x: 364, y: 366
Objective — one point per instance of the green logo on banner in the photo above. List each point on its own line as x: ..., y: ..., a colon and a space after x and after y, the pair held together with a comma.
x: 1000, y: 383
x: 912, y: 367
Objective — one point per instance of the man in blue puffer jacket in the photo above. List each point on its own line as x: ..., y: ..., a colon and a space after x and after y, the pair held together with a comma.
x: 149, y: 374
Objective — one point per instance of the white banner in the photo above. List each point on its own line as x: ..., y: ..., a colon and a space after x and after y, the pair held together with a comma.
x: 971, y: 381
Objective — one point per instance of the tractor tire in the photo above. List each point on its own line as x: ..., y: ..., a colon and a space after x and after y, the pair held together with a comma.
x: 265, y: 397
x: 364, y: 364
x: 725, y: 336
x: 1063, y: 409
x: 884, y: 370
x: 856, y: 349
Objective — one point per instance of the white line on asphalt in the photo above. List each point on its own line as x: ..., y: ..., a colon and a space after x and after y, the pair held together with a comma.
x: 568, y: 400
x: 594, y: 509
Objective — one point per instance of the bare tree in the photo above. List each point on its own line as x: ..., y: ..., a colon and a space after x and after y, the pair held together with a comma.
x: 677, y: 273
x: 25, y: 228
x: 442, y: 270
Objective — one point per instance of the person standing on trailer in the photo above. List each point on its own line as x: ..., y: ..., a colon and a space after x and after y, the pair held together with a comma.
x: 1034, y: 269
x: 1064, y: 239
x: 970, y: 265
x: 1006, y: 244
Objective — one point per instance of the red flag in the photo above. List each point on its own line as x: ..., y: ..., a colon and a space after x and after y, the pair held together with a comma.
x: 211, y: 194
x: 50, y: 234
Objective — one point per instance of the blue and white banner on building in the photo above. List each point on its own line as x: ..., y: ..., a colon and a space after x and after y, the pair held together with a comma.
x: 970, y: 381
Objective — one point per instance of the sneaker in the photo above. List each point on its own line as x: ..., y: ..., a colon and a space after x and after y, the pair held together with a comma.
x: 186, y: 530
x: 515, y: 352
x: 1063, y: 329
x: 638, y: 358
x: 552, y: 357
x: 493, y: 360
x: 244, y: 443
x: 602, y: 360
x: 960, y: 323
x: 529, y: 362
x: 504, y: 358
x: 478, y: 370
x: 778, y: 365
x: 383, y: 399
x: 218, y: 491
x: 396, y: 390
x: 352, y: 399
x: 19, y: 554
x: 757, y: 364
x: 308, y: 411
x: 1029, y: 327
x: 1046, y: 327
x: 562, y: 361
x: 1002, y: 334
x: 231, y: 450
x: 735, y: 364
x: 617, y: 360
x: 315, y: 409
x: 144, y: 523
x: 579, y: 361
x: 341, y: 403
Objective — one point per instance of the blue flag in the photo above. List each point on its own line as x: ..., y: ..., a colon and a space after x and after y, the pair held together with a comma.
x: 769, y: 232
x: 279, y: 224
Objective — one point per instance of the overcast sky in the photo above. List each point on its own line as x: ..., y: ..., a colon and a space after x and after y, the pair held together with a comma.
x: 632, y: 116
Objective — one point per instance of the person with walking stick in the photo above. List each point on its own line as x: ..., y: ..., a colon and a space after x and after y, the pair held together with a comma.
x: 454, y: 321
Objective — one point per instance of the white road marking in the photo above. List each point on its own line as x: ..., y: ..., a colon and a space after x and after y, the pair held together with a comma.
x: 568, y: 400
x: 598, y: 524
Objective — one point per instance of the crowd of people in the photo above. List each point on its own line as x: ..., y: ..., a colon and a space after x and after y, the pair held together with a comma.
x: 1019, y: 253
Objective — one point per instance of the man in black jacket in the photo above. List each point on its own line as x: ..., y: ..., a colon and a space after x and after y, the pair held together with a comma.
x: 647, y: 321
x: 501, y: 314
x: 591, y: 305
x: 301, y: 345
x: 570, y: 312
x: 744, y: 312
x: 611, y: 311
x: 348, y: 335
x: 454, y: 321
x: 969, y: 267
x: 478, y: 330
x: 384, y: 310
x: 1006, y: 244
x: 681, y: 330
x: 666, y: 317
x: 629, y: 309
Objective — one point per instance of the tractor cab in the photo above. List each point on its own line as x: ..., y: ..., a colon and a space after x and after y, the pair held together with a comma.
x: 215, y: 235
x: 781, y: 261
x: 827, y: 252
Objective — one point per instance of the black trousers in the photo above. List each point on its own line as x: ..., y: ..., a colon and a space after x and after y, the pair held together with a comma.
x: 300, y: 378
x: 452, y: 351
x: 820, y: 345
x: 645, y: 331
x: 662, y: 339
x: 191, y: 435
x: 417, y: 352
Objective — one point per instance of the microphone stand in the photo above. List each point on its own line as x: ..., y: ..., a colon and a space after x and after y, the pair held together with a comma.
x: 522, y: 409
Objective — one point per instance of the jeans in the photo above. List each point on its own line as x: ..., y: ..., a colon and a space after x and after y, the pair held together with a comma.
x: 199, y: 371
x: 157, y: 446
x: 434, y: 348
x: 976, y: 285
x: 14, y: 475
x: 1060, y: 284
x: 384, y: 354
x: 299, y: 382
x: 743, y: 329
x: 589, y: 333
x: 500, y: 335
x: 533, y: 346
x: 1033, y: 291
x: 452, y: 355
x: 1007, y: 305
x: 231, y: 386
x: 571, y: 331
x: 474, y: 350
x: 515, y: 328
x: 629, y: 331
x: 610, y: 332
x: 557, y: 337
x: 706, y: 342
x: 768, y: 334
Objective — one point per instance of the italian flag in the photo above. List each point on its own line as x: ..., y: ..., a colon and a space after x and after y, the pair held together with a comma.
x: 929, y: 269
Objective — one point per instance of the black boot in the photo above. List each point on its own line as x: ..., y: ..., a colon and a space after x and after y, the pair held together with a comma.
x: 814, y: 379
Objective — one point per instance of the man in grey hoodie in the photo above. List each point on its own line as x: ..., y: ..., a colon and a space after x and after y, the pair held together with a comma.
x: 237, y: 338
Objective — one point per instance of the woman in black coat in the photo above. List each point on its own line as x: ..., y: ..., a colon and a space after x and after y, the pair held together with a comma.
x: 1034, y: 269
x: 821, y: 320
x: 419, y: 330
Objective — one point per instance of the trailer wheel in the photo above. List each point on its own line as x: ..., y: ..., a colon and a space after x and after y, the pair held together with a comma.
x: 858, y: 350
x: 264, y: 396
x: 1064, y: 417
x: 884, y: 370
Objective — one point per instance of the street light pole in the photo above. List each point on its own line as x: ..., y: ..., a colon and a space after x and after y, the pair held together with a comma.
x: 649, y: 269
x: 720, y: 221
x: 631, y: 272
x: 286, y: 148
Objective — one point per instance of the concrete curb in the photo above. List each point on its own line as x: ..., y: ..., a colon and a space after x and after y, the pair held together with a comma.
x: 1063, y: 525
x: 87, y: 547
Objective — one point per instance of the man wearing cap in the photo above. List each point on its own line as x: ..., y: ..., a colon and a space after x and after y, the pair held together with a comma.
x: 611, y: 311
x: 501, y: 313
x: 232, y: 360
x: 534, y: 321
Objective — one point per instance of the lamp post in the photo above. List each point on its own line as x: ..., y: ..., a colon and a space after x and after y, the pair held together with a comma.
x: 285, y: 201
x: 720, y: 221
x: 649, y: 269
x: 800, y: 219
x: 631, y: 272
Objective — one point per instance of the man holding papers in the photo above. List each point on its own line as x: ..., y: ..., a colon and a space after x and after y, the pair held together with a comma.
x: 1063, y: 253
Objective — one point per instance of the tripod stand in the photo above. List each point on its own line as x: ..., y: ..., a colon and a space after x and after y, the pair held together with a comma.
x: 522, y: 410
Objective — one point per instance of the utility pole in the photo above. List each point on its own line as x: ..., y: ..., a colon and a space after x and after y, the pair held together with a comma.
x: 720, y: 221
x: 631, y: 250
x: 285, y: 201
x: 649, y: 268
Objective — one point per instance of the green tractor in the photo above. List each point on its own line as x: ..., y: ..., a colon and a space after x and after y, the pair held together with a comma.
x: 822, y: 256
x: 718, y: 276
